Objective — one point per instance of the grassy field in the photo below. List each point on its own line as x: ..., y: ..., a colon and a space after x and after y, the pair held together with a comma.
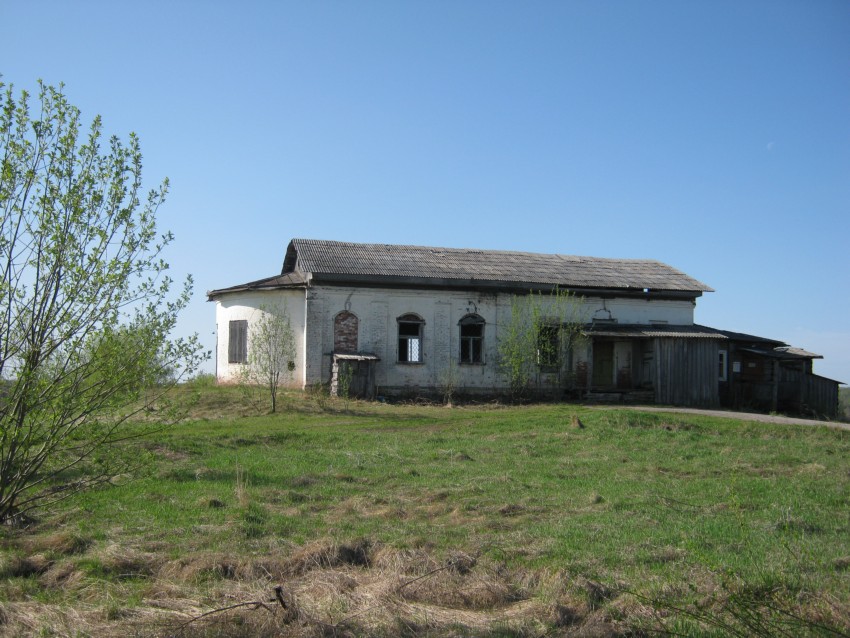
x: 376, y: 519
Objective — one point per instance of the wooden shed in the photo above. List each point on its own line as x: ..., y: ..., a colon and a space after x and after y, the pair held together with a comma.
x: 671, y: 365
x: 768, y: 375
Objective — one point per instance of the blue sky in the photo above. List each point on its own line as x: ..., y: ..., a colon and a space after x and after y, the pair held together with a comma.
x: 711, y: 135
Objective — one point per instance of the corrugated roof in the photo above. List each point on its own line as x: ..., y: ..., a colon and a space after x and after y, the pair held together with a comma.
x: 753, y: 339
x: 639, y: 331
x: 334, y: 258
x: 799, y: 352
x: 787, y: 353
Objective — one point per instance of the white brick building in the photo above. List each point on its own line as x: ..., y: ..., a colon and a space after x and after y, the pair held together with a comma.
x: 409, y: 314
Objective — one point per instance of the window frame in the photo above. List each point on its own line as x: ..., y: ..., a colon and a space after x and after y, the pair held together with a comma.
x: 723, y: 363
x: 552, y: 359
x: 475, y: 321
x: 410, y: 319
x: 237, y: 341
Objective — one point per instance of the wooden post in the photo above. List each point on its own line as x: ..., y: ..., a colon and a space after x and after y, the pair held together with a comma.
x: 656, y: 347
x: 774, y: 407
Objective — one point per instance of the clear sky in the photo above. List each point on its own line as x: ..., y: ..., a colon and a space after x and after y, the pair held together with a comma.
x: 713, y: 135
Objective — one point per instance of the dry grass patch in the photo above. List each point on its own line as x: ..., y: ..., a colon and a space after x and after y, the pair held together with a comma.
x: 206, y: 567
x: 119, y: 561
x: 20, y: 566
x: 358, y: 588
x: 324, y: 554
x: 413, y: 592
x: 64, y: 574
x: 465, y: 589
x: 61, y: 543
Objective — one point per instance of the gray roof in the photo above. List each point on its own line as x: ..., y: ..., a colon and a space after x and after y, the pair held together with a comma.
x: 759, y: 345
x: 786, y: 353
x: 641, y: 331
x: 346, y: 261
x: 288, y: 280
x: 752, y: 339
x: 799, y: 352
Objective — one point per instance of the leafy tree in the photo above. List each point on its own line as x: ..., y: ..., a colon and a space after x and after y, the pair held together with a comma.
x: 271, y: 351
x: 844, y: 403
x: 539, y: 335
x: 85, y: 303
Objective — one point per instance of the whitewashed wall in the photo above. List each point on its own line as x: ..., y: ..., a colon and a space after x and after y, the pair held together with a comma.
x: 378, y: 309
x: 312, y: 316
x: 248, y: 306
x: 643, y: 311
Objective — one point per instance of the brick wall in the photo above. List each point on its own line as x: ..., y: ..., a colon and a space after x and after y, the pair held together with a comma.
x: 345, y: 332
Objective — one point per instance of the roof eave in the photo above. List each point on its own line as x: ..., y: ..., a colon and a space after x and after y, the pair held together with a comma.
x: 392, y: 281
x: 268, y: 283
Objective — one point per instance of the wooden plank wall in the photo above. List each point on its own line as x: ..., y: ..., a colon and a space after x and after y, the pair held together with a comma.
x: 800, y: 391
x: 686, y: 372
x: 822, y: 395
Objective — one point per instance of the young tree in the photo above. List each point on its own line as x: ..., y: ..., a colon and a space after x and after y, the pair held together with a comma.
x: 540, y: 334
x: 85, y: 303
x: 271, y: 351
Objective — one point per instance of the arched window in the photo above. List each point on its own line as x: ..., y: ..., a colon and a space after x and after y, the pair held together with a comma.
x: 410, y: 338
x: 471, y: 339
x: 345, y: 332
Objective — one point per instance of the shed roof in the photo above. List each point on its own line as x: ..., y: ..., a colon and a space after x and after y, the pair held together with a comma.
x: 799, y: 352
x: 762, y: 346
x: 786, y: 353
x: 454, y: 267
x: 642, y: 331
x: 754, y: 340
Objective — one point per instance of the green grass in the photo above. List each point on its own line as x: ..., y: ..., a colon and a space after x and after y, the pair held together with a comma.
x: 663, y: 506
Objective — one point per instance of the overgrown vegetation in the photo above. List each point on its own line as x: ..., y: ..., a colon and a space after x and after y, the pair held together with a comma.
x: 536, y: 341
x: 271, y: 353
x: 85, y: 304
x: 844, y: 403
x: 422, y: 521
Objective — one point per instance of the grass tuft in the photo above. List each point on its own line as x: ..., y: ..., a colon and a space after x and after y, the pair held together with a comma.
x: 325, y: 554
x: 18, y: 566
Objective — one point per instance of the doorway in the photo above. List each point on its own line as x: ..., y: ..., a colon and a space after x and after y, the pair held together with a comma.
x: 603, y: 364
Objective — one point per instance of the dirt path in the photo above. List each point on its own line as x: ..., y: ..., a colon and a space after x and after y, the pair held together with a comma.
x: 744, y: 416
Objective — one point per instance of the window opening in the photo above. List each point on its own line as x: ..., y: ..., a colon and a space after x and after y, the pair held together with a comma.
x: 410, y: 339
x: 548, y: 345
x: 472, y: 339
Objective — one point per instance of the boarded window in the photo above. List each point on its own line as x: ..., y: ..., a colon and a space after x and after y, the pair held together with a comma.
x: 237, y: 345
x: 345, y: 332
x: 410, y: 339
x: 472, y: 339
